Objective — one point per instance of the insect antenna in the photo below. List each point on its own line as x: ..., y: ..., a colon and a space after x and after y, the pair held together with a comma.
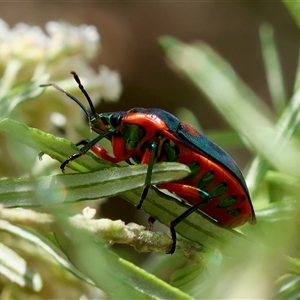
x: 69, y: 95
x: 77, y: 79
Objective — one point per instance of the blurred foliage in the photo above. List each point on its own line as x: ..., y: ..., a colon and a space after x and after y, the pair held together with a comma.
x: 54, y: 246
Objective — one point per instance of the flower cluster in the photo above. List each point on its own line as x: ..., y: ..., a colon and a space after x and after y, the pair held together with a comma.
x: 30, y: 44
x: 31, y: 57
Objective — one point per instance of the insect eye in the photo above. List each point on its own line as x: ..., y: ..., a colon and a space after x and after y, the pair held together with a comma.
x: 115, y: 120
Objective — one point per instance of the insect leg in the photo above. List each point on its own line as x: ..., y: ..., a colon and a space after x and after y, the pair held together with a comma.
x: 88, y: 145
x: 205, y: 199
x: 40, y: 155
x: 149, y: 158
x: 82, y: 142
x: 99, y: 151
x: 151, y: 221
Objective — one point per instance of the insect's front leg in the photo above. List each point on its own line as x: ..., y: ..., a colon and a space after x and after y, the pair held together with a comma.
x: 99, y: 150
x: 88, y: 145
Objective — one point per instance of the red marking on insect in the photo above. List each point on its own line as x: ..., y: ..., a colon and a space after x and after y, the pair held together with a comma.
x: 190, y: 129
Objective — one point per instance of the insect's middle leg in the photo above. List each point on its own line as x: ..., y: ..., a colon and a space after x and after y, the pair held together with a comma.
x: 148, y: 158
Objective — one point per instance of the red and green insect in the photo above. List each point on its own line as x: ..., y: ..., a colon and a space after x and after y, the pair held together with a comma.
x: 215, y: 185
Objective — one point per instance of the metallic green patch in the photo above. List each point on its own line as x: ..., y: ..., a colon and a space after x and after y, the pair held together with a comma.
x: 218, y: 190
x: 206, y: 180
x: 132, y: 135
x: 171, y: 151
x: 234, y: 212
x: 227, y: 202
x: 194, y: 167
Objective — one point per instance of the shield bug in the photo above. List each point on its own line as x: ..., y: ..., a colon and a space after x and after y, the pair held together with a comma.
x: 215, y: 185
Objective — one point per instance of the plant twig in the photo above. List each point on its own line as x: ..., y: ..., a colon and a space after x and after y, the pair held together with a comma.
x: 113, y: 231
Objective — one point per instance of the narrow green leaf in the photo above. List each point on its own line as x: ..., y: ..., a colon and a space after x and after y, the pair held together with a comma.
x: 185, y: 278
x: 57, y: 148
x: 288, y: 287
x: 273, y: 68
x: 276, y: 212
x: 289, y: 183
x: 287, y: 126
x: 43, y: 243
x: 293, y: 265
x: 294, y: 8
x: 64, y: 188
x: 16, y: 269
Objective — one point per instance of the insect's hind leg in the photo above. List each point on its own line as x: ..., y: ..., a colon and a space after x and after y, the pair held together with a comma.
x: 201, y: 199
